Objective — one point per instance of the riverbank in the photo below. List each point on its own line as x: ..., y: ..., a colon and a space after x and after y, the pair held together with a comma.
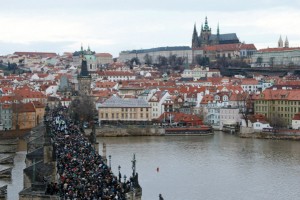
x: 270, y: 136
x: 128, y: 131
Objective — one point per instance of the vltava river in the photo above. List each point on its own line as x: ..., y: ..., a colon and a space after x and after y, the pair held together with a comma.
x: 212, y: 168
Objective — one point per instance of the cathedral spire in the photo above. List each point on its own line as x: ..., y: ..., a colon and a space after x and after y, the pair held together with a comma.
x: 206, y: 24
x: 218, y: 30
x: 286, y: 43
x: 280, y: 42
x: 195, y: 40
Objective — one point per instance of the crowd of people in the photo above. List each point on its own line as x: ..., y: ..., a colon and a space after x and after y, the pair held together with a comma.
x: 83, y: 173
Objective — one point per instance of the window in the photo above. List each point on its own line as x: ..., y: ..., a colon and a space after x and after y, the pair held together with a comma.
x: 142, y: 115
x: 106, y: 115
x: 141, y: 109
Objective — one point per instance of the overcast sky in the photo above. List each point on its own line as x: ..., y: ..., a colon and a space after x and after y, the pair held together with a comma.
x: 115, y: 25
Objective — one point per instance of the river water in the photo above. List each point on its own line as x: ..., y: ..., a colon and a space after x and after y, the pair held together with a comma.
x: 194, y: 167
x: 211, y: 167
x: 15, y: 183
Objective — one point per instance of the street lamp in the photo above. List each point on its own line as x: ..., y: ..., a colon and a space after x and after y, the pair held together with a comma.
x: 119, y: 167
x: 109, y: 157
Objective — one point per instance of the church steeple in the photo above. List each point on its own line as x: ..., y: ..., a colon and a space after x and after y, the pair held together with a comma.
x: 84, y: 70
x: 280, y: 42
x: 206, y: 27
x: 286, y: 43
x: 218, y: 31
x: 195, y: 39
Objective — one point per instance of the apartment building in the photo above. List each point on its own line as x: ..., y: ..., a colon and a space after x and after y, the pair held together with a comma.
x: 280, y: 104
x: 124, y: 111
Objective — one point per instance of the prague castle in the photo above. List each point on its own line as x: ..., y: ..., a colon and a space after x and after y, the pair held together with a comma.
x: 206, y: 38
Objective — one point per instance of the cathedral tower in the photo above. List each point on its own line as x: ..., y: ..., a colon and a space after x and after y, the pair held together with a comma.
x: 280, y: 42
x: 195, y: 39
x: 205, y: 33
x: 286, y: 43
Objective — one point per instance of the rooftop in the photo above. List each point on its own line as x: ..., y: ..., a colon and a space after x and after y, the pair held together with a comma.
x: 117, y: 102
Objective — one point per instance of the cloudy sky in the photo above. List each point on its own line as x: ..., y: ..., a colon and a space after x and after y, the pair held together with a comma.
x: 115, y: 25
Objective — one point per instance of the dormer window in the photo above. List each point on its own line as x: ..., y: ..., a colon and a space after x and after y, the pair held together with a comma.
x: 225, y: 98
x: 217, y: 98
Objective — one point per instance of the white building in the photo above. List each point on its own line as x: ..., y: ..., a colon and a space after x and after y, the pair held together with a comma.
x: 156, y: 103
x: 180, y: 51
x: 229, y: 115
x: 115, y: 75
x: 296, y: 121
x: 250, y: 85
x: 276, y: 57
x: 260, y: 125
x: 200, y: 72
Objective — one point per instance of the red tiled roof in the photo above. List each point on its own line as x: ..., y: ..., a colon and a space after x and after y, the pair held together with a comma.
x: 42, y: 54
x: 229, y: 47
x: 249, y: 81
x: 103, y: 55
x: 23, y: 107
x: 279, y: 94
x: 297, y: 116
x: 115, y: 73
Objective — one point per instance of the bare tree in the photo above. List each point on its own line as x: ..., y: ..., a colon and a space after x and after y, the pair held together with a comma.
x: 148, y: 59
x: 277, y: 121
x: 245, y: 104
x: 259, y: 61
x: 82, y: 109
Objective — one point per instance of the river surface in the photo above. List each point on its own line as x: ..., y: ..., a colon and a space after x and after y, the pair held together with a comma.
x: 15, y: 183
x: 212, y: 168
x: 194, y: 167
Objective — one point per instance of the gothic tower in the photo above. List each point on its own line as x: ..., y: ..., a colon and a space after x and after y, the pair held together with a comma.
x: 205, y: 33
x: 280, y: 42
x: 195, y: 39
x: 84, y: 79
x: 286, y: 43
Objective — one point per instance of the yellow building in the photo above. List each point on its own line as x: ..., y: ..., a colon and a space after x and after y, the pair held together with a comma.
x: 278, y: 104
x: 125, y: 111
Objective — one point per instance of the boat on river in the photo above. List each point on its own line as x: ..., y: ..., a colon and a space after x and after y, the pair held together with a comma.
x: 199, y: 130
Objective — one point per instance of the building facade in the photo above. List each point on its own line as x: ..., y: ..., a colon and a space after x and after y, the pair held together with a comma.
x: 278, y: 105
x: 89, y: 56
x: 154, y: 53
x: 124, y: 111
